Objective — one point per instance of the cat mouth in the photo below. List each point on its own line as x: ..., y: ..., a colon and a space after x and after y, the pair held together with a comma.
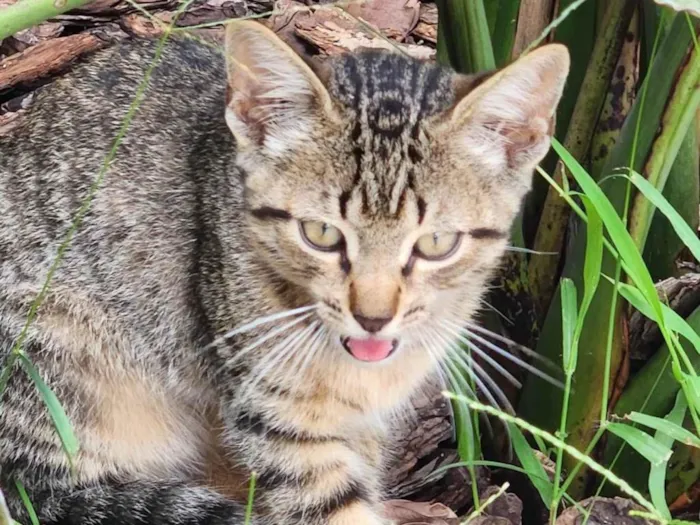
x: 369, y: 349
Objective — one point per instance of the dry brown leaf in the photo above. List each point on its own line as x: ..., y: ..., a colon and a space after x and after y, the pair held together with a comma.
x: 427, y: 24
x: 36, y: 34
x: 403, y: 512
x: 394, y: 18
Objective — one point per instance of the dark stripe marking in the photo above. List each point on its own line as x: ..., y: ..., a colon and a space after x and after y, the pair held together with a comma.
x: 343, y: 203
x: 487, y: 233
x: 267, y: 213
x: 422, y: 206
x: 254, y: 423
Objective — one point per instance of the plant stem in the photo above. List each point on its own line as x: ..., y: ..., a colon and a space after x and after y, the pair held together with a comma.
x: 26, y: 13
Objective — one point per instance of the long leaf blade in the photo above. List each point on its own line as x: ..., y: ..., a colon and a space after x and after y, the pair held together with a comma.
x: 56, y: 411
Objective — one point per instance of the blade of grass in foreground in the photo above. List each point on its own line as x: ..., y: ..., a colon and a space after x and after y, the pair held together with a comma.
x: 58, y: 415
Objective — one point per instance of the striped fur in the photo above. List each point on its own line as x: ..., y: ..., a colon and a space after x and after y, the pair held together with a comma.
x: 195, y: 232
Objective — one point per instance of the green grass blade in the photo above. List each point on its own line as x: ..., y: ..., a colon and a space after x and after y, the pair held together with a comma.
x: 531, y: 465
x: 27, y: 503
x: 27, y: 13
x: 569, y: 308
x: 680, y: 226
x: 618, y: 232
x: 657, y: 474
x: 251, y: 498
x: 592, y: 263
x: 652, y: 390
x: 680, y: 112
x: 665, y: 427
x: 646, y: 445
x: 682, y: 190
x: 58, y: 415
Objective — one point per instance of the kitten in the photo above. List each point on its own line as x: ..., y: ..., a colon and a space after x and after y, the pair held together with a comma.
x: 351, y: 212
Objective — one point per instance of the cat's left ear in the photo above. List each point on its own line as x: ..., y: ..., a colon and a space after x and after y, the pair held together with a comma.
x: 507, y: 121
x: 274, y: 99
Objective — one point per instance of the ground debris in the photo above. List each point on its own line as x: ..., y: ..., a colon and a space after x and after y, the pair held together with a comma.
x: 603, y: 511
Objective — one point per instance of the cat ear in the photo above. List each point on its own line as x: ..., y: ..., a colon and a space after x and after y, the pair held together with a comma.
x: 507, y: 120
x: 273, y: 98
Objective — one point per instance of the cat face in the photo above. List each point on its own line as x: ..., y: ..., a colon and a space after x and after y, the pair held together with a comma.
x: 386, y: 188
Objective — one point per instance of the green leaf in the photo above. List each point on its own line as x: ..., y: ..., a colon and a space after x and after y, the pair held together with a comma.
x: 592, y: 263
x: 58, y: 415
x: 627, y: 250
x: 670, y: 318
x: 666, y: 427
x: 677, y: 118
x: 657, y: 474
x: 504, y: 15
x: 684, y: 232
x: 22, y: 15
x: 532, y: 466
x: 653, y: 391
x: 463, y: 33
x: 569, y: 321
x: 27, y: 503
x: 646, y: 445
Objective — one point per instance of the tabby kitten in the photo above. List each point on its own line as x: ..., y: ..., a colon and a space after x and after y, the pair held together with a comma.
x: 264, y: 278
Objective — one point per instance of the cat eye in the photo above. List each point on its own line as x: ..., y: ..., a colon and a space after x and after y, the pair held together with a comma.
x: 321, y: 235
x: 437, y: 246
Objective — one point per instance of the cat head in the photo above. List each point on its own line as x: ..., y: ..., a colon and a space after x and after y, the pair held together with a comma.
x: 384, y: 188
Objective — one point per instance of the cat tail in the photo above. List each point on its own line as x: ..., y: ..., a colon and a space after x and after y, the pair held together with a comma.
x: 133, y: 503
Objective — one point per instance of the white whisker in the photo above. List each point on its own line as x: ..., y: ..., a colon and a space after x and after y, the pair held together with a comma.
x: 279, y: 355
x: 259, y: 321
x: 315, y: 343
x: 515, y: 359
x: 266, y: 337
x: 498, y: 337
x: 482, y: 379
x: 495, y: 364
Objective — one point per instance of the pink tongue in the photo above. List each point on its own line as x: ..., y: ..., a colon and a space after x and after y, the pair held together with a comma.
x: 370, y: 349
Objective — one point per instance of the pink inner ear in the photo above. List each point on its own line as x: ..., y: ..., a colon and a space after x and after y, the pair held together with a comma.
x: 522, y: 139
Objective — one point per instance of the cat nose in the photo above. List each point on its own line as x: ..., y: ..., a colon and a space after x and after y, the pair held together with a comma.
x: 372, y: 324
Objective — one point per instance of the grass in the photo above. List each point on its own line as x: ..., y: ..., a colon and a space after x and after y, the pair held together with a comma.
x: 608, y: 237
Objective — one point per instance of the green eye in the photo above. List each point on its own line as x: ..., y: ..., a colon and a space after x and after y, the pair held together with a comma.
x: 437, y: 246
x: 321, y: 236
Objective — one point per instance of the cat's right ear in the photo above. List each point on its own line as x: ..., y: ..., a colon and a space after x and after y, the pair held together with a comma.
x: 274, y: 99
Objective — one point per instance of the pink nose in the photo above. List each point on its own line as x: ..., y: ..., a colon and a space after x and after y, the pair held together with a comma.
x: 372, y: 324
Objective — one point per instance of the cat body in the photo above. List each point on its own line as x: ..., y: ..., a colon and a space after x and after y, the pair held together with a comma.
x: 342, y: 210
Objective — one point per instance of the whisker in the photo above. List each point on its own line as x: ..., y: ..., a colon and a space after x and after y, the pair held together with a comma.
x: 257, y: 322
x: 436, y: 362
x: 483, y: 380
x: 457, y: 380
x: 527, y: 250
x: 314, y: 344
x: 515, y: 359
x: 524, y: 349
x: 266, y: 337
x: 495, y: 364
x: 279, y: 355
